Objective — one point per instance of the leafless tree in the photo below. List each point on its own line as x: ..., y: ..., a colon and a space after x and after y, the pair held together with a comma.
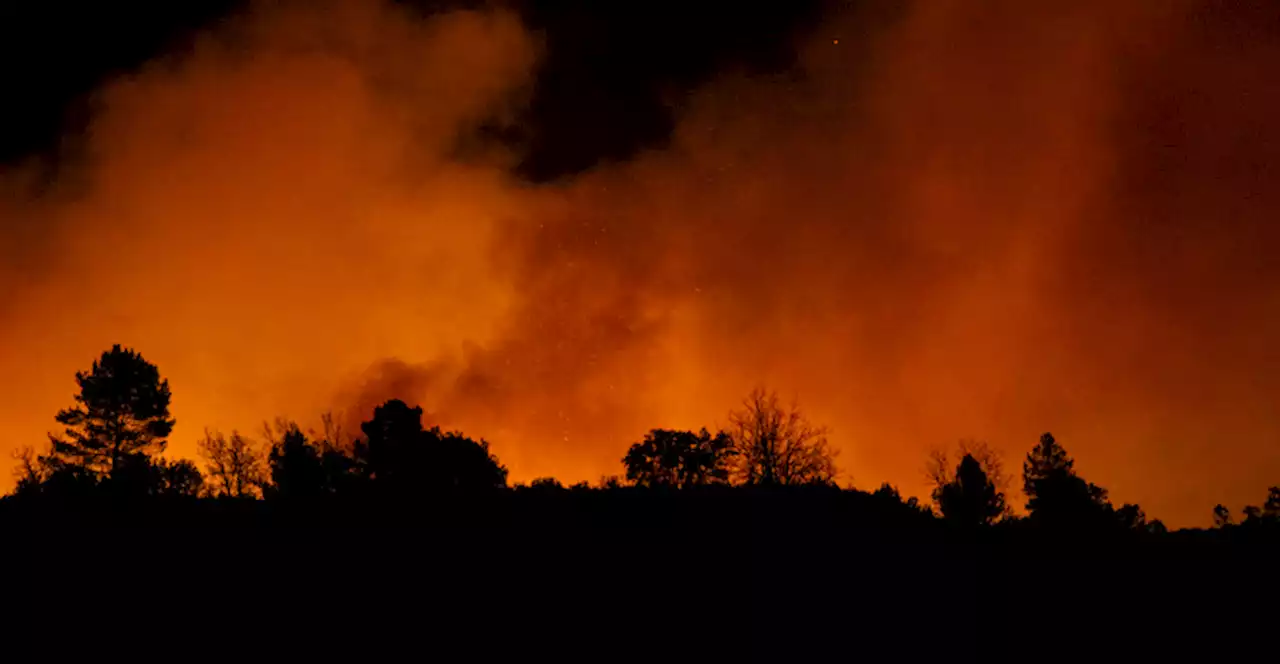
x: 777, y: 445
x: 235, y: 465
x: 332, y: 437
x: 30, y: 471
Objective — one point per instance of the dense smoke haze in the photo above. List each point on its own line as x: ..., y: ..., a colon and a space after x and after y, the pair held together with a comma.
x: 944, y: 221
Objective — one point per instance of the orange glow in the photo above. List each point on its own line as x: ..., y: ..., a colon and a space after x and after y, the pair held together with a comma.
x: 972, y: 224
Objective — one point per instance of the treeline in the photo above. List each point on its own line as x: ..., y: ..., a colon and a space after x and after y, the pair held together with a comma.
x: 113, y: 441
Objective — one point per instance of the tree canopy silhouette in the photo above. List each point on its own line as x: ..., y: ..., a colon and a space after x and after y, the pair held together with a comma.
x: 777, y: 445
x: 180, y: 477
x: 341, y: 457
x: 889, y: 494
x: 1055, y: 493
x: 395, y: 443
x: 294, y: 464
x: 948, y: 484
x: 458, y: 462
x: 404, y: 456
x: 544, y: 485
x: 1268, y: 513
x: 117, y: 430
x: 140, y: 476
x: 679, y: 459
x: 122, y: 410
x: 970, y: 498
x: 36, y: 475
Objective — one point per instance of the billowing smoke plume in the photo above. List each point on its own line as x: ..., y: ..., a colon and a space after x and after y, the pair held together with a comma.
x: 947, y: 222
x: 266, y: 215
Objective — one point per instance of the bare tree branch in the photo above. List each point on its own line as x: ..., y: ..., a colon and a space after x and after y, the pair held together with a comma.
x: 777, y: 445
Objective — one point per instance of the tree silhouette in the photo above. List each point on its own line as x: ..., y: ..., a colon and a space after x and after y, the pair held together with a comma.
x: 30, y: 473
x: 1055, y: 494
x: 182, y: 477
x: 679, y: 459
x: 942, y: 474
x: 342, y: 472
x: 395, y: 443
x: 774, y: 445
x: 36, y: 476
x: 341, y: 457
x: 140, y: 476
x: 235, y: 466
x: 1268, y: 513
x: 940, y: 470
x: 123, y: 410
x: 1132, y: 517
x: 134, y: 476
x: 970, y: 498
x: 547, y: 484
x: 1221, y: 516
x: 460, y: 463
x: 300, y: 465
x: 889, y: 492
x: 403, y: 456
x: 294, y: 465
x: 1271, y: 508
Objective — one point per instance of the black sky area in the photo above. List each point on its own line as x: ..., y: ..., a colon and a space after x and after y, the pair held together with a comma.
x: 53, y: 53
x: 609, y: 80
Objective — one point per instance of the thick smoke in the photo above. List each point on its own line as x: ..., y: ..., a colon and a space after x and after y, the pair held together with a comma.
x: 946, y: 223
x: 267, y: 214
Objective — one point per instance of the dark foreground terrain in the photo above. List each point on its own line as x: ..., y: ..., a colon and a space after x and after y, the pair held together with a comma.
x: 724, y: 574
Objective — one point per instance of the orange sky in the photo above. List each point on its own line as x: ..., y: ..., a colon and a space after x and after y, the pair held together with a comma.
x: 950, y: 224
